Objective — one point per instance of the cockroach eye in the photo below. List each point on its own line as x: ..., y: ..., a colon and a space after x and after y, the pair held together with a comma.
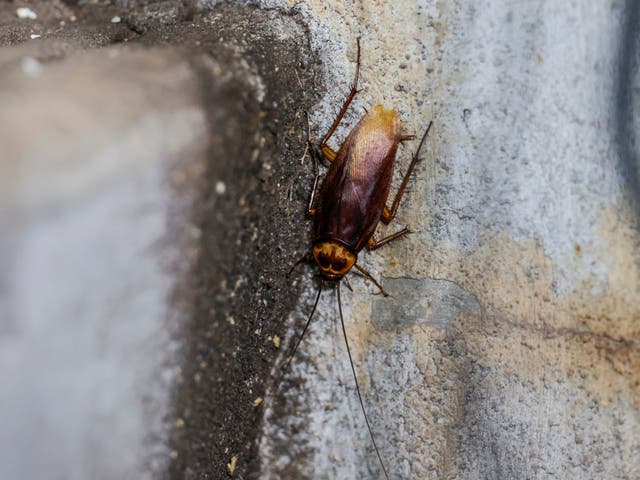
x: 339, y: 264
x: 323, y: 260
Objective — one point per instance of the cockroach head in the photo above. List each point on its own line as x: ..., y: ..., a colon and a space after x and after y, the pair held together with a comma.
x: 334, y: 259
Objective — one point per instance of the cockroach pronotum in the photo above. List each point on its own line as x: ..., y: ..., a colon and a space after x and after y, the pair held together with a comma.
x: 351, y: 202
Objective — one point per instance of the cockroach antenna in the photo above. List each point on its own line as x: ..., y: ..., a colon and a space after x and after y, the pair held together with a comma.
x: 355, y: 380
x: 292, y: 354
x: 299, y: 341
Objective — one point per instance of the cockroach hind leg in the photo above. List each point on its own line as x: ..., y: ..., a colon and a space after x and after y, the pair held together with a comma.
x: 386, y: 219
x: 422, y: 140
x: 319, y: 152
x: 406, y: 138
x: 374, y: 244
x: 389, y: 213
x: 327, y: 152
x: 347, y: 102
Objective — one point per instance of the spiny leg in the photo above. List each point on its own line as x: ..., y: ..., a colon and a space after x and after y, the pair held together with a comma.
x: 311, y: 209
x: 355, y: 378
x: 346, y: 282
x: 370, y: 277
x: 352, y: 93
x: 374, y: 244
x: 389, y: 214
x: 316, y: 153
x: 305, y: 258
x: 328, y: 153
x: 325, y: 150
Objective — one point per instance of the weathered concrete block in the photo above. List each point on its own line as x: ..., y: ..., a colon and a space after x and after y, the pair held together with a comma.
x: 152, y: 199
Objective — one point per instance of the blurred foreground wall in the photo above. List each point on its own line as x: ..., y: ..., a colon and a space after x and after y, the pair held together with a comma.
x: 152, y: 198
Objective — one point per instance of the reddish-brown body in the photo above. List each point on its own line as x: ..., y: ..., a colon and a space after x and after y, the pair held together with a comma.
x: 355, y: 190
x: 352, y: 199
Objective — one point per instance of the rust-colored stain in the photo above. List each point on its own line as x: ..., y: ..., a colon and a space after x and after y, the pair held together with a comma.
x: 588, y: 339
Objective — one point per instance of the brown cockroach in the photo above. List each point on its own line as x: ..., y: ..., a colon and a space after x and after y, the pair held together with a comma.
x: 351, y: 202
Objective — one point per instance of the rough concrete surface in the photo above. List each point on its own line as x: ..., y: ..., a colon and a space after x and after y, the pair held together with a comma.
x: 152, y: 199
x: 527, y: 204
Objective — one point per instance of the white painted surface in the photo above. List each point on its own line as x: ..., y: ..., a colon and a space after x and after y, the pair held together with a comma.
x: 87, y: 347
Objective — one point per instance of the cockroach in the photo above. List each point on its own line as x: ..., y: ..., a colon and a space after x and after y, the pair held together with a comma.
x: 350, y: 203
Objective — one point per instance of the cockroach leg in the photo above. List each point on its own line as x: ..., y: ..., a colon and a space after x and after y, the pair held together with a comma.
x: 389, y: 214
x: 320, y: 151
x: 314, y: 155
x: 305, y: 258
x: 345, y: 106
x: 328, y: 153
x: 370, y: 277
x: 314, y: 192
x: 405, y: 138
x: 374, y: 244
x: 346, y: 282
x: 316, y: 152
x: 325, y: 150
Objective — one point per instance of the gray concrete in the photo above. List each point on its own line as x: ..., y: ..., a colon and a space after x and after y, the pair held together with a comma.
x: 138, y: 309
x: 527, y: 206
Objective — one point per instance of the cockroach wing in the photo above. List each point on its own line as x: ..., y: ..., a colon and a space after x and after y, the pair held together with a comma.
x: 355, y: 189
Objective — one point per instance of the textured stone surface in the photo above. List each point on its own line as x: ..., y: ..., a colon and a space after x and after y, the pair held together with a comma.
x: 528, y: 203
x: 510, y: 348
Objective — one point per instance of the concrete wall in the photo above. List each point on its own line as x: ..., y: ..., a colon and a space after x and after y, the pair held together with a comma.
x: 152, y: 199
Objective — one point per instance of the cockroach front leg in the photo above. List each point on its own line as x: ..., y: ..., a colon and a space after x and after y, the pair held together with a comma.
x: 366, y: 274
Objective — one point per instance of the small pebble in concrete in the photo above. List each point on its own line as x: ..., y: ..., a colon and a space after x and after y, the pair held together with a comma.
x: 31, y: 66
x: 231, y: 466
x: 26, y: 13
